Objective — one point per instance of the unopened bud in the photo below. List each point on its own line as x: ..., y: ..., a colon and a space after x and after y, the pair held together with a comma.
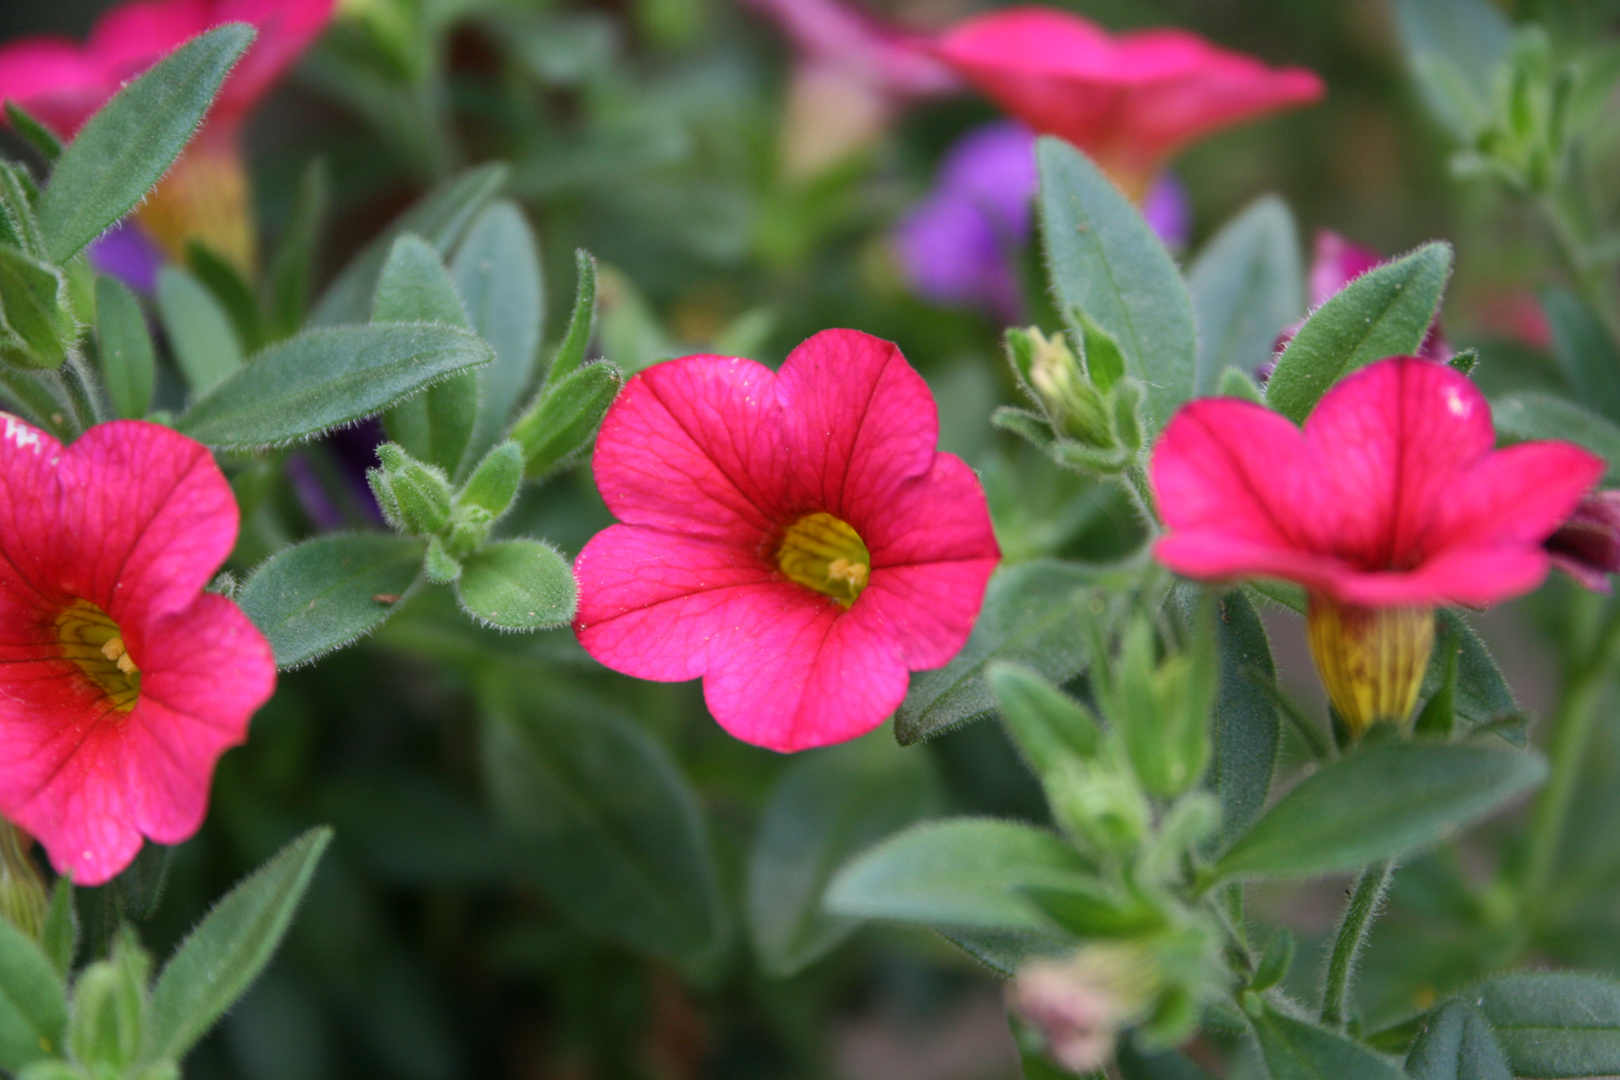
x: 22, y: 891
x: 1587, y: 546
x: 1080, y: 1003
x: 1371, y: 660
x: 1076, y: 409
x: 419, y: 493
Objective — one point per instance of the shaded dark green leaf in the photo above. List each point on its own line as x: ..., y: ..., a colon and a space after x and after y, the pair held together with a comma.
x: 33, y: 1015
x: 124, y: 348
x: 1247, y: 287
x: 1554, y: 1024
x: 1296, y: 1050
x: 1457, y: 1044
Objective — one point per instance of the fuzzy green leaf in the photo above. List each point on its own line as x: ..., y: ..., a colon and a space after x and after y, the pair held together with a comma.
x: 124, y: 347
x: 33, y: 1015
x: 518, y: 585
x: 1457, y: 1044
x: 1296, y: 1050
x: 128, y: 145
x: 201, y: 336
x: 306, y: 385
x: 1554, y: 1025
x: 1535, y: 415
x: 328, y: 591
x: 1247, y: 288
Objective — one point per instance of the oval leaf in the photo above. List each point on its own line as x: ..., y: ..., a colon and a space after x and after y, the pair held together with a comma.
x: 1457, y: 1044
x: 1104, y: 260
x: 1554, y: 1024
x: 308, y: 384
x: 611, y: 828
x: 1383, y: 802
x: 966, y: 872
x: 518, y: 585
x: 127, y: 146
x: 826, y: 806
x: 1296, y: 1050
x: 124, y: 348
x: 33, y: 1015
x: 326, y: 592
x: 1247, y: 288
x: 215, y: 965
x: 1384, y: 312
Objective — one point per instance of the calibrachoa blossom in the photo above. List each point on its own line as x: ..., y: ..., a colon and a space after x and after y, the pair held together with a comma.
x: 122, y: 681
x: 1129, y: 101
x: 794, y: 538
x: 1389, y: 503
x: 1587, y: 546
x: 960, y: 245
x: 205, y: 193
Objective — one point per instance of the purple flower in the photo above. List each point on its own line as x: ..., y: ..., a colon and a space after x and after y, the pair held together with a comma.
x: 124, y: 252
x: 960, y: 246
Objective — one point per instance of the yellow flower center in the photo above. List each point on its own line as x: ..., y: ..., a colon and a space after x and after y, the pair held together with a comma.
x: 92, y: 640
x: 1371, y: 659
x: 825, y: 554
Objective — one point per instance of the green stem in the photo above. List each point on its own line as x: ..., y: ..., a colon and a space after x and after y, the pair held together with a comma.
x: 80, y: 384
x: 1358, y: 918
x: 1571, y: 732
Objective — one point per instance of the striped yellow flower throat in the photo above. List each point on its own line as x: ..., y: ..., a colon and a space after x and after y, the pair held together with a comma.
x: 1371, y: 660
x: 92, y: 641
x: 825, y: 554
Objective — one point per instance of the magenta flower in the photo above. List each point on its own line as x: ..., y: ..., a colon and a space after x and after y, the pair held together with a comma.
x: 793, y: 538
x: 122, y: 682
x: 1587, y: 546
x: 1390, y: 502
x: 1129, y: 101
x: 205, y: 194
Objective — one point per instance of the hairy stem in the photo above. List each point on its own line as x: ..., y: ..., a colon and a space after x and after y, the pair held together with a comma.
x: 1365, y: 900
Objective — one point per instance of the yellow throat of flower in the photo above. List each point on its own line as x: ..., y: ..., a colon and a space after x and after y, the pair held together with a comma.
x: 91, y: 640
x: 823, y: 553
x: 1371, y: 660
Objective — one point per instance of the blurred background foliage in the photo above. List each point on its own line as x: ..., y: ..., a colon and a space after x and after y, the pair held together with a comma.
x: 542, y: 869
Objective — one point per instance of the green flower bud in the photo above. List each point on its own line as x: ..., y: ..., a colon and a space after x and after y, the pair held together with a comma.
x: 109, y: 1007
x: 419, y: 492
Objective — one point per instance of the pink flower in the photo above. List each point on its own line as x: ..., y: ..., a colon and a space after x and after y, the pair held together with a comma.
x: 205, y: 194
x: 852, y: 74
x: 122, y: 682
x: 1390, y: 502
x: 1587, y: 546
x: 793, y: 538
x: 1129, y: 101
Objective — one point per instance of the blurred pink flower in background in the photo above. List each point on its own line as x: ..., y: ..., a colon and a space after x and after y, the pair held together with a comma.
x: 121, y: 680
x: 1129, y: 101
x: 205, y: 194
x: 1390, y: 502
x: 792, y: 537
x: 852, y: 75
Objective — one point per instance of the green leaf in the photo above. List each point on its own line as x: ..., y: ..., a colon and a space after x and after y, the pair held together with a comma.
x: 1247, y: 288
x: 1482, y: 697
x: 1381, y: 802
x: 571, y: 352
x: 565, y: 418
x: 1554, y: 1024
x: 1454, y: 48
x: 1457, y: 1044
x: 36, y: 314
x: 612, y: 828
x: 1384, y: 312
x: 825, y: 807
x: 518, y: 585
x: 128, y: 145
x: 497, y: 270
x: 1165, y: 1065
x: 328, y: 591
x: 1296, y: 1050
x: 1247, y: 727
x: 33, y: 1015
x: 1005, y: 951
x: 1584, y: 351
x: 1033, y: 616
x: 299, y: 388
x: 441, y: 217
x: 231, y: 290
x: 292, y: 270
x: 60, y: 937
x: 124, y: 348
x: 40, y: 137
x: 201, y: 336
x: 415, y: 287
x: 215, y: 965
x: 1535, y: 415
x: 965, y: 872
x: 1104, y: 259
x: 1049, y: 727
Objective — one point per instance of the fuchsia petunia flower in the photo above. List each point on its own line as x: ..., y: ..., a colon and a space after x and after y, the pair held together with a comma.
x: 1389, y: 503
x: 205, y: 193
x: 1129, y: 101
x: 121, y: 681
x: 793, y: 538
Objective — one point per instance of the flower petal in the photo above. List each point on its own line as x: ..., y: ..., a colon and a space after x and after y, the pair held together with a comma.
x: 658, y: 605
x: 1517, y: 495
x: 682, y: 446
x: 855, y: 422
x: 148, y: 518
x: 204, y: 672
x: 31, y: 532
